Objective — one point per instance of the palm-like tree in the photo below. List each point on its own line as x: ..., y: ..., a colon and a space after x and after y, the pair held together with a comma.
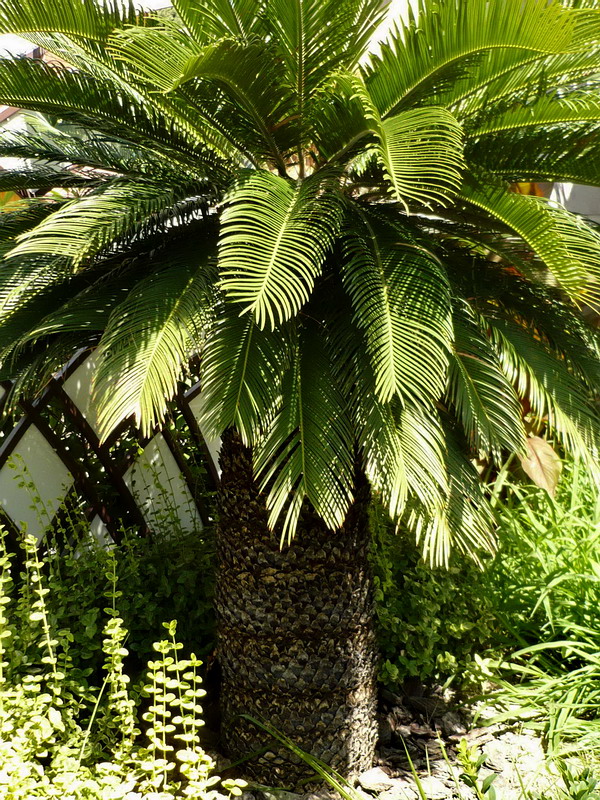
x: 335, y: 235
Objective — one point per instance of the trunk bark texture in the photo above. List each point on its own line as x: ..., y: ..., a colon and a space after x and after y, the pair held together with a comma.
x: 295, y: 631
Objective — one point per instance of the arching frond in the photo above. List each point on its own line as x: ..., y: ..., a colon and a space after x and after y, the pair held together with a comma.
x: 551, y: 389
x: 441, y: 40
x: 85, y: 19
x: 499, y: 291
x: 400, y: 298
x: 340, y: 123
x: 275, y: 236
x: 314, y: 38
x: 512, y: 76
x: 42, y: 179
x: 251, y: 75
x: 558, y: 237
x: 31, y: 373
x: 308, y: 450
x: 101, y: 105
x: 147, y: 344
x: 420, y: 150
x: 422, y: 154
x: 546, y: 110
x: 83, y: 227
x: 465, y: 520
x: 218, y: 19
x: 485, y: 401
x: 95, y: 151
x: 18, y: 218
x: 242, y: 370
x: 564, y: 154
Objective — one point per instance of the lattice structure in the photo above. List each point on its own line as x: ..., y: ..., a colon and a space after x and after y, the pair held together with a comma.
x: 53, y: 457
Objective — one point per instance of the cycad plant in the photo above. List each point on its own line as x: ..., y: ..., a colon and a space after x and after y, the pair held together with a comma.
x: 337, y: 236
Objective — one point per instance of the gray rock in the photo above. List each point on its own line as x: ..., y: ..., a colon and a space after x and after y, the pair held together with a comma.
x: 279, y: 794
x: 375, y: 780
x: 401, y: 790
x: 435, y: 789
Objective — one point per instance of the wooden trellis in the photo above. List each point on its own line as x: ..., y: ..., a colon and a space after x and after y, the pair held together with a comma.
x: 53, y: 456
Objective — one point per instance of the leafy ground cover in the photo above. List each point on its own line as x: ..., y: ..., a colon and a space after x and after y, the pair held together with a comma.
x: 97, y: 700
x: 544, y: 589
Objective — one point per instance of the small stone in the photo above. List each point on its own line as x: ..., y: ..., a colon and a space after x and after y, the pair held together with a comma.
x: 498, y: 755
x: 401, y: 790
x: 435, y: 789
x: 375, y: 780
x: 280, y: 794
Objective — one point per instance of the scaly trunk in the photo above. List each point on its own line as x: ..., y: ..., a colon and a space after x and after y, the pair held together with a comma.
x: 295, y: 631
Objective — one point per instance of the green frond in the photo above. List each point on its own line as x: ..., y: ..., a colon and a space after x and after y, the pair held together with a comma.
x: 469, y: 236
x: 569, y: 248
x: 400, y: 298
x: 340, y: 126
x: 569, y: 154
x: 315, y: 38
x: 512, y: 77
x: 547, y: 110
x: 421, y: 151
x: 251, y: 74
x: 21, y: 280
x: 275, y: 236
x: 218, y: 19
x: 242, y: 369
x: 70, y: 310
x: 33, y: 370
x: 188, y: 128
x: 553, y: 391
x: 85, y: 19
x: 155, y: 54
x: 441, y: 40
x: 100, y: 105
x: 485, y: 401
x: 543, y: 311
x: 83, y: 227
x: 86, y: 311
x: 19, y: 217
x: 39, y: 298
x: 148, y: 342
x: 42, y: 179
x: 101, y: 152
x: 464, y: 521
x: 307, y: 453
x: 375, y: 429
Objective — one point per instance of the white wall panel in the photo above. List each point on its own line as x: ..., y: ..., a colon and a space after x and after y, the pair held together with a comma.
x: 35, y: 463
x: 160, y: 490
x: 196, y: 405
x: 79, y: 388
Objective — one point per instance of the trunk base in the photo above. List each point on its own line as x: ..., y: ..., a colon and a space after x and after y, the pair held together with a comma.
x: 296, y: 639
